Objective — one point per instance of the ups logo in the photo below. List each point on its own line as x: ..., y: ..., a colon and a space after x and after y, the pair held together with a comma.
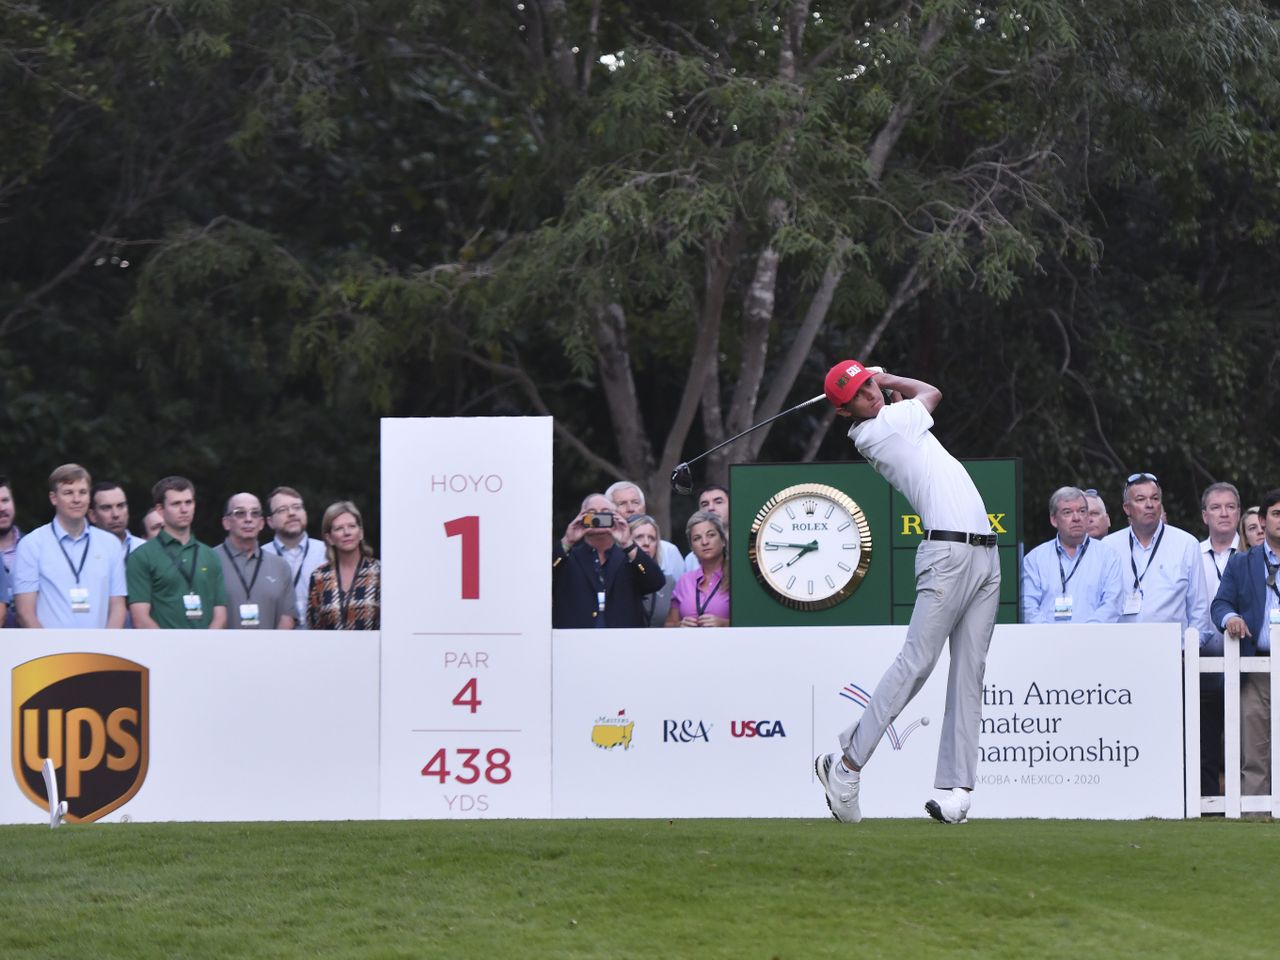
x: 87, y: 712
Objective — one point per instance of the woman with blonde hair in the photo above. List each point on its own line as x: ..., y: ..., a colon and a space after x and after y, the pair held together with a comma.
x: 655, y: 606
x: 346, y: 590
x: 701, y: 597
x: 1251, y: 532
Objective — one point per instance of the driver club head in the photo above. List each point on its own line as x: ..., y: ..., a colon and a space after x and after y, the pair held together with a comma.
x: 682, y: 479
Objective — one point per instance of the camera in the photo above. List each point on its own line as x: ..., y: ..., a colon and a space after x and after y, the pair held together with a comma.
x: 598, y: 519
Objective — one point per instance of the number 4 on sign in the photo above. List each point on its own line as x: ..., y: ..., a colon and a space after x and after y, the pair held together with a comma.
x: 437, y: 766
x: 461, y: 698
x: 468, y: 528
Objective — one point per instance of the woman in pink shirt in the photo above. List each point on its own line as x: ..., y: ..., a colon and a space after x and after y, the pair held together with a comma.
x: 701, y: 597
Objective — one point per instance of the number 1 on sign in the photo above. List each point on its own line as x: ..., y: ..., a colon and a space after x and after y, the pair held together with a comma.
x: 468, y: 528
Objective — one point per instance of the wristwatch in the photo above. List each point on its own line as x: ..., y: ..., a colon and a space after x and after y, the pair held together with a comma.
x: 810, y: 546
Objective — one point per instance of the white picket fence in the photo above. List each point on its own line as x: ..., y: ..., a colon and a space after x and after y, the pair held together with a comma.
x: 1230, y: 665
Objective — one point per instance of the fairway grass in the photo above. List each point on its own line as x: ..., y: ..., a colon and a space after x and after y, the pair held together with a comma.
x: 650, y: 888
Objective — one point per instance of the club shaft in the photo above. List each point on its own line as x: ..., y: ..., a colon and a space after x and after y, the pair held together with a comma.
x: 762, y: 423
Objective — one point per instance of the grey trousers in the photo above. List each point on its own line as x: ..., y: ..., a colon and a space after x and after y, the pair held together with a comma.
x: 1255, y: 734
x: 957, y: 596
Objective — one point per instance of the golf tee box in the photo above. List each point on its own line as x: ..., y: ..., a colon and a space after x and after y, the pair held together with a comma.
x: 878, y: 533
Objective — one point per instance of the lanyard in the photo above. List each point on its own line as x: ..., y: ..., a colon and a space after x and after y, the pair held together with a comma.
x: 1137, y: 580
x: 306, y: 548
x: 1213, y: 557
x: 702, y: 605
x: 1066, y: 578
x: 177, y: 564
x: 75, y: 571
x: 1271, y: 575
x: 344, y: 597
x: 248, y: 587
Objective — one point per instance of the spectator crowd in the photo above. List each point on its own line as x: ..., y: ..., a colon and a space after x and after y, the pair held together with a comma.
x: 1153, y: 572
x: 85, y: 569
x: 612, y: 568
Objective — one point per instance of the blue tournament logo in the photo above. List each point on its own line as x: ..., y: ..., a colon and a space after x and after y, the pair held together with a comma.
x: 851, y: 691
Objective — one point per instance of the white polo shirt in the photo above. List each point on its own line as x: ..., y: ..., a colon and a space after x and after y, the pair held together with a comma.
x: 898, y: 444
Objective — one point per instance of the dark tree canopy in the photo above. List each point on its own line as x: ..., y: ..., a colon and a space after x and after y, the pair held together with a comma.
x: 236, y: 234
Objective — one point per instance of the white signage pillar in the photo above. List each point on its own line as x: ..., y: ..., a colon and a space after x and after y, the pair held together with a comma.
x: 466, y: 623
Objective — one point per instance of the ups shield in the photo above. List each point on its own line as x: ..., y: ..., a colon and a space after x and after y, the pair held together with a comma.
x: 88, y: 713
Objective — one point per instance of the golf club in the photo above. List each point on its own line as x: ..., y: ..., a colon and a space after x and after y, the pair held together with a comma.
x: 682, y: 476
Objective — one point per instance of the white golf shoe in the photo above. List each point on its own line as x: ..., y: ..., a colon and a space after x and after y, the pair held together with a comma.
x: 841, y: 785
x: 951, y: 807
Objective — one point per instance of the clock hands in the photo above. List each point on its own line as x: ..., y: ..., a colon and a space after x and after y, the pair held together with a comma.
x: 802, y: 547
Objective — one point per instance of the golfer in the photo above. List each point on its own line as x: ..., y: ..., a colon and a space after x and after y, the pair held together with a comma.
x: 957, y: 587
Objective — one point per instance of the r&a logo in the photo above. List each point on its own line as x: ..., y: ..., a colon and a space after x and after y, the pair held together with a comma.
x: 685, y: 731
x: 88, y: 713
x: 756, y: 728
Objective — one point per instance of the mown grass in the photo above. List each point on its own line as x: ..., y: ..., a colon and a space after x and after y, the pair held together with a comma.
x: 741, y: 888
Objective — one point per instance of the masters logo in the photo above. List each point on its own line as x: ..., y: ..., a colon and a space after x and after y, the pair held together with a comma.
x: 610, y: 732
x: 87, y: 712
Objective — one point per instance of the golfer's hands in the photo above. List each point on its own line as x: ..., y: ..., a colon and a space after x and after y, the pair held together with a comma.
x: 1236, y: 628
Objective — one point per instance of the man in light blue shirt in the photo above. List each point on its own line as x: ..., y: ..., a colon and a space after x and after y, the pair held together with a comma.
x: 68, y: 574
x: 1159, y: 564
x: 287, y: 517
x: 1071, y: 578
x: 4, y: 594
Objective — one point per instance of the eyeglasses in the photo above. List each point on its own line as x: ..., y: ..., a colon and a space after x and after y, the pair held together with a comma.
x: 1090, y: 492
x: 288, y: 508
x: 1139, y: 478
x: 240, y: 513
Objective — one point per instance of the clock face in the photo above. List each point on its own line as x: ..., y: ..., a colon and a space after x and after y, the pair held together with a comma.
x: 810, y: 546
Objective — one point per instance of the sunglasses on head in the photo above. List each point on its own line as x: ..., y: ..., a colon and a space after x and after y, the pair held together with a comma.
x: 1140, y: 478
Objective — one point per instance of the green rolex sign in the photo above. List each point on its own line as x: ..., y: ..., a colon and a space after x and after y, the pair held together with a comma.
x: 833, y: 543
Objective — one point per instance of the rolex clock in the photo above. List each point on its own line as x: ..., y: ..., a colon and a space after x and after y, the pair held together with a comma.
x: 810, y: 546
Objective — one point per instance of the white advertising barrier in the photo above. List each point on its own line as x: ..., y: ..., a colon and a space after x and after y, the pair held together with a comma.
x: 466, y: 621
x: 1079, y: 721
x: 192, y: 725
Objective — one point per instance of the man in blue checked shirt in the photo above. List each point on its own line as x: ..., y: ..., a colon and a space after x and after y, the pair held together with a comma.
x: 68, y: 574
x: 1071, y: 578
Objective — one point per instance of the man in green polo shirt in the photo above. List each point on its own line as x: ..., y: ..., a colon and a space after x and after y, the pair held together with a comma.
x: 175, y: 581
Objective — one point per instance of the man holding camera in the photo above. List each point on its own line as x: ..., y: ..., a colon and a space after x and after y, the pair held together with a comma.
x: 598, y: 575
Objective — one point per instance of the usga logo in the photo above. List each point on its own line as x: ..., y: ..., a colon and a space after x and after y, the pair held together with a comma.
x: 756, y: 728
x: 685, y: 731
x: 88, y: 713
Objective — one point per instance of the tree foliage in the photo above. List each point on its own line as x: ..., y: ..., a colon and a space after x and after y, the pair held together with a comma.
x: 235, y: 234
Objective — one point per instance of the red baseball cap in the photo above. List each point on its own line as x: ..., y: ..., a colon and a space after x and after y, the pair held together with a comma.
x: 843, y: 381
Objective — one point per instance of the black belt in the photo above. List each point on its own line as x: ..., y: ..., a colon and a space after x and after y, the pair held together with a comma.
x: 953, y: 536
